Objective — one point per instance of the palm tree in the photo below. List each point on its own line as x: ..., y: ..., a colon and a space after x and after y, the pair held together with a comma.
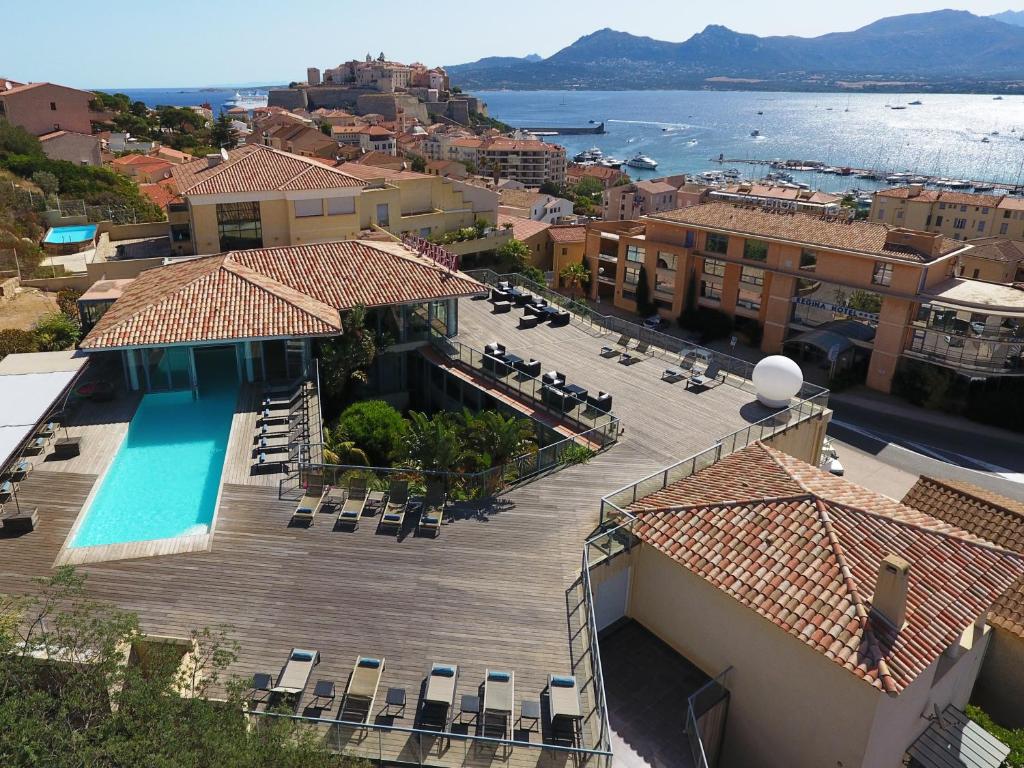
x: 433, y: 444
x: 575, y: 276
x: 339, y: 451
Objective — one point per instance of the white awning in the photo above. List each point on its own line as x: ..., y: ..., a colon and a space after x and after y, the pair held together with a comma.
x: 954, y: 741
x: 30, y: 385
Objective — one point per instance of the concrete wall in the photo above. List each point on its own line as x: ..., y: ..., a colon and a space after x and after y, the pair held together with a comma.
x: 103, y: 270
x: 999, y: 686
x: 790, y: 706
x: 804, y: 439
x: 77, y: 148
x: 132, y: 231
x: 47, y: 108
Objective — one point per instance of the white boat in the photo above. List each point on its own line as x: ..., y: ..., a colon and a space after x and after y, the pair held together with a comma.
x: 915, y: 103
x: 984, y: 187
x: 592, y: 155
x: 248, y: 100
x: 610, y: 162
x: 985, y: 140
x: 755, y: 133
x: 642, y: 161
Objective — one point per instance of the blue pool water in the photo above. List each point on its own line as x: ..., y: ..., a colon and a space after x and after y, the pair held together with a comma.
x: 164, y: 480
x: 78, y: 234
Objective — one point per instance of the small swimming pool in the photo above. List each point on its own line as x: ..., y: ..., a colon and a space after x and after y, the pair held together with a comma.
x: 165, y: 478
x: 64, y: 235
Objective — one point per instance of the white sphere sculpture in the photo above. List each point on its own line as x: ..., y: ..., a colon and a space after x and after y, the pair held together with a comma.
x: 777, y: 379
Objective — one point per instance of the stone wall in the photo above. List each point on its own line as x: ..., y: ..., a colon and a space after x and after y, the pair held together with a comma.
x: 287, y: 98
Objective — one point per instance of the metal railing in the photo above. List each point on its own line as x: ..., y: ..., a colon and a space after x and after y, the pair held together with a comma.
x: 393, y: 744
x: 565, y: 406
x: 713, y: 693
x: 739, y: 372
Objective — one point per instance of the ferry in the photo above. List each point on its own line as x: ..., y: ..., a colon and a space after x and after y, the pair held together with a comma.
x: 642, y: 161
x: 248, y: 100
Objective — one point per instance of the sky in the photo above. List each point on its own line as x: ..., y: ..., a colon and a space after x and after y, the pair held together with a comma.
x: 179, y: 43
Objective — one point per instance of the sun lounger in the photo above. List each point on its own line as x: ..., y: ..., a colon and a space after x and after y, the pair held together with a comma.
x: 564, y: 707
x: 361, y: 692
x: 687, y: 361
x: 352, y: 509
x: 439, y: 695
x: 499, y: 703
x: 623, y: 340
x: 295, y: 673
x: 6, y: 489
x: 20, y: 470
x: 609, y: 351
x: 705, y: 378
x: 398, y: 504
x: 433, y: 509
x: 36, y: 446
x: 48, y: 430
x: 309, y: 504
x: 672, y: 375
x: 642, y: 347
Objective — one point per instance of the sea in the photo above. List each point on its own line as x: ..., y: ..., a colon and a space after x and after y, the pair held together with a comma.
x: 958, y: 136
x: 685, y: 131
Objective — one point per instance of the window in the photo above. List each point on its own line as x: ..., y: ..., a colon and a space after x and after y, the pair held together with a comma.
x: 899, y: 214
x: 635, y: 253
x: 338, y: 206
x: 883, y: 274
x: 710, y: 290
x: 1006, y: 214
x: 975, y: 275
x: 714, y: 267
x: 716, y: 243
x: 565, y: 251
x: 984, y: 210
x: 752, y: 275
x: 632, y: 276
x: 942, y: 206
x: 304, y: 208
x: 239, y: 226
x: 959, y: 223
x: 808, y: 260
x: 938, y: 221
x: 755, y: 250
x: 1003, y: 228
x: 181, y: 233
x: 383, y: 215
x: 963, y: 209
x: 689, y: 240
x: 981, y: 226
x: 53, y: 106
x: 748, y: 299
x: 666, y: 260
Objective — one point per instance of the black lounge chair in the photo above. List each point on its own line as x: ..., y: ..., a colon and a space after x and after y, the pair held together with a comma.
x: 529, y: 368
x: 600, y: 402
x: 553, y: 379
x: 561, y: 317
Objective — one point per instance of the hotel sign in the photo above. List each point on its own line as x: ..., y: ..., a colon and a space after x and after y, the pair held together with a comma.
x: 423, y: 247
x: 837, y: 309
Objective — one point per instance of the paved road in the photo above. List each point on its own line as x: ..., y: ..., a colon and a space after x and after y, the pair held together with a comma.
x: 910, y: 446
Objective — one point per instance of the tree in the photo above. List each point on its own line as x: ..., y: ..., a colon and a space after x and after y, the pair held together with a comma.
x: 551, y: 188
x: 418, y: 164
x: 575, y: 276
x: 512, y: 255
x: 46, y: 181
x: 15, y: 140
x: 644, y: 305
x: 67, y: 302
x: 493, y: 438
x: 345, y: 359
x: 340, y: 451
x: 222, y: 134
x: 87, y: 706
x: 56, y: 331
x: 375, y: 427
x: 433, y: 444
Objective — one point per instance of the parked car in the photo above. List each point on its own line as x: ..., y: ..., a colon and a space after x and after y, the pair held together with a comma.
x: 655, y: 322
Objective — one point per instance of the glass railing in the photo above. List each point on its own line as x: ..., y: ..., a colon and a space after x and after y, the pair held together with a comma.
x: 390, y: 744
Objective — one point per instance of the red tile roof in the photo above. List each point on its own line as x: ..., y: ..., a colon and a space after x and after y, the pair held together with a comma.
x: 568, y: 234
x: 258, y: 168
x: 270, y: 293
x: 143, y: 162
x: 802, y: 548
x: 983, y: 513
x: 522, y: 229
x: 162, y: 193
x: 856, y: 236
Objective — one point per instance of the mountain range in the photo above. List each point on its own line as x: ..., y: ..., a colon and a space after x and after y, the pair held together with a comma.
x: 939, y: 50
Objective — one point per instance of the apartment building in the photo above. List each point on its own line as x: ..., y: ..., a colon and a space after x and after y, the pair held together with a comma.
x: 607, y: 177
x: 993, y: 259
x: 42, y: 108
x: 529, y: 161
x: 631, y: 201
x: 957, y: 215
x: 256, y: 196
x: 142, y: 168
x: 537, y: 206
x: 296, y: 139
x: 827, y: 290
x: 807, y: 200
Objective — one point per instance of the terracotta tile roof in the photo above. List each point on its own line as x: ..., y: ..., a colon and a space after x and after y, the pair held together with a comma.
x: 162, y: 193
x: 997, y: 249
x: 655, y: 187
x: 983, y: 513
x: 258, y: 168
x: 773, y: 192
x: 949, y: 197
x: 142, y: 162
x: 520, y: 198
x: 802, y: 548
x: 274, y: 292
x: 568, y: 234
x: 905, y: 193
x: 522, y: 229
x: 858, y: 236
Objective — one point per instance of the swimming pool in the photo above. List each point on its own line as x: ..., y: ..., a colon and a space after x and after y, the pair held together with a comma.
x: 77, y: 234
x: 164, y: 480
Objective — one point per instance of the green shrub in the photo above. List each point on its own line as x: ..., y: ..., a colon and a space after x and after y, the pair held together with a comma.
x: 56, y: 332
x: 376, y: 427
x: 1013, y: 738
x: 13, y: 340
x: 576, y: 454
x: 67, y: 301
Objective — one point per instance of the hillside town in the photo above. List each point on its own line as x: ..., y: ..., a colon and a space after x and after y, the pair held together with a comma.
x: 403, y: 436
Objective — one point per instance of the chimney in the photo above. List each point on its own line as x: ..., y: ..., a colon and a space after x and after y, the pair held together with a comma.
x: 914, y: 190
x: 214, y: 159
x: 890, y: 599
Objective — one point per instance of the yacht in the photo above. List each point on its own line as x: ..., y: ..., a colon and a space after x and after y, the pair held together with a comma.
x: 591, y: 155
x: 642, y: 161
x: 985, y: 140
x: 731, y: 173
x: 248, y: 100
x: 610, y: 162
x: 760, y: 112
x: 982, y: 187
x: 997, y: 98
x: 915, y: 103
x: 755, y: 133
